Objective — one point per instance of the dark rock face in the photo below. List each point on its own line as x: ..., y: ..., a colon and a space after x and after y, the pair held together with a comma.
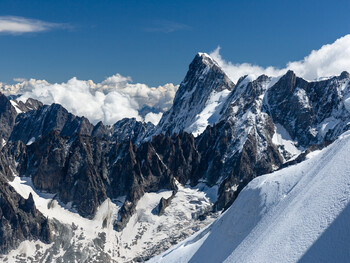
x: 302, y: 106
x: 30, y: 104
x: 7, y: 117
x: 33, y: 124
x: 101, y: 131
x: 72, y: 168
x: 85, y: 173
x: 141, y: 170
x: 131, y: 129
x: 164, y: 203
x: 151, y: 167
x: 6, y: 163
x: 37, y: 123
x: 179, y: 154
x: 19, y: 219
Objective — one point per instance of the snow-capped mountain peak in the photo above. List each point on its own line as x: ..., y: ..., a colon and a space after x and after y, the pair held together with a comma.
x: 199, y: 98
x: 207, y: 59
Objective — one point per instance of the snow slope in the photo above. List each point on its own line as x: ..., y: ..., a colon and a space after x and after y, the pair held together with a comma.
x: 300, y: 213
x: 210, y: 114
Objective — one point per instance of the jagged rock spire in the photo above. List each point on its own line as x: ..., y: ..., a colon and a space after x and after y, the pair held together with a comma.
x: 203, y: 78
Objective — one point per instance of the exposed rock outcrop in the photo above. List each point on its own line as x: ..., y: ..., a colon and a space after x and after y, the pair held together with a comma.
x: 131, y: 129
x: 28, y: 105
x: 29, y: 126
x: 7, y: 117
x: 203, y: 79
x: 19, y: 219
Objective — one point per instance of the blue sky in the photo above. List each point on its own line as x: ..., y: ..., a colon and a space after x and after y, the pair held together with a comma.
x: 154, y: 41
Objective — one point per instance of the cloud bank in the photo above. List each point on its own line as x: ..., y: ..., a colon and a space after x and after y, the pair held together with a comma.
x: 20, y: 25
x: 109, y: 101
x: 329, y: 60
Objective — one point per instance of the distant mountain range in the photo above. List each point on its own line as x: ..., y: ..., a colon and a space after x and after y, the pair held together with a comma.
x: 71, y: 190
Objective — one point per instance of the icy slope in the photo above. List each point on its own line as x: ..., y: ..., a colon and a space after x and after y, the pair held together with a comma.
x: 298, y: 213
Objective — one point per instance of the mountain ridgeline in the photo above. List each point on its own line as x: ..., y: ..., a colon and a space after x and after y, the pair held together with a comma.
x: 216, y: 132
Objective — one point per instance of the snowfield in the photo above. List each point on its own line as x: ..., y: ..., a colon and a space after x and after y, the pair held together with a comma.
x: 297, y: 214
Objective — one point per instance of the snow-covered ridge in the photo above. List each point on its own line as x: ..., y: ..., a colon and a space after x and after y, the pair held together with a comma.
x: 300, y: 213
x: 201, y: 101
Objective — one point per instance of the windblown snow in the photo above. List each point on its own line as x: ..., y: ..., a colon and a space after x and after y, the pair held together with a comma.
x: 300, y: 213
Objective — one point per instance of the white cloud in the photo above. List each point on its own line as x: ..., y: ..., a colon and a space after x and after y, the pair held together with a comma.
x: 159, y: 97
x: 111, y: 100
x: 327, y: 61
x: 153, y: 117
x: 20, y: 25
x: 235, y: 71
x: 21, y: 87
